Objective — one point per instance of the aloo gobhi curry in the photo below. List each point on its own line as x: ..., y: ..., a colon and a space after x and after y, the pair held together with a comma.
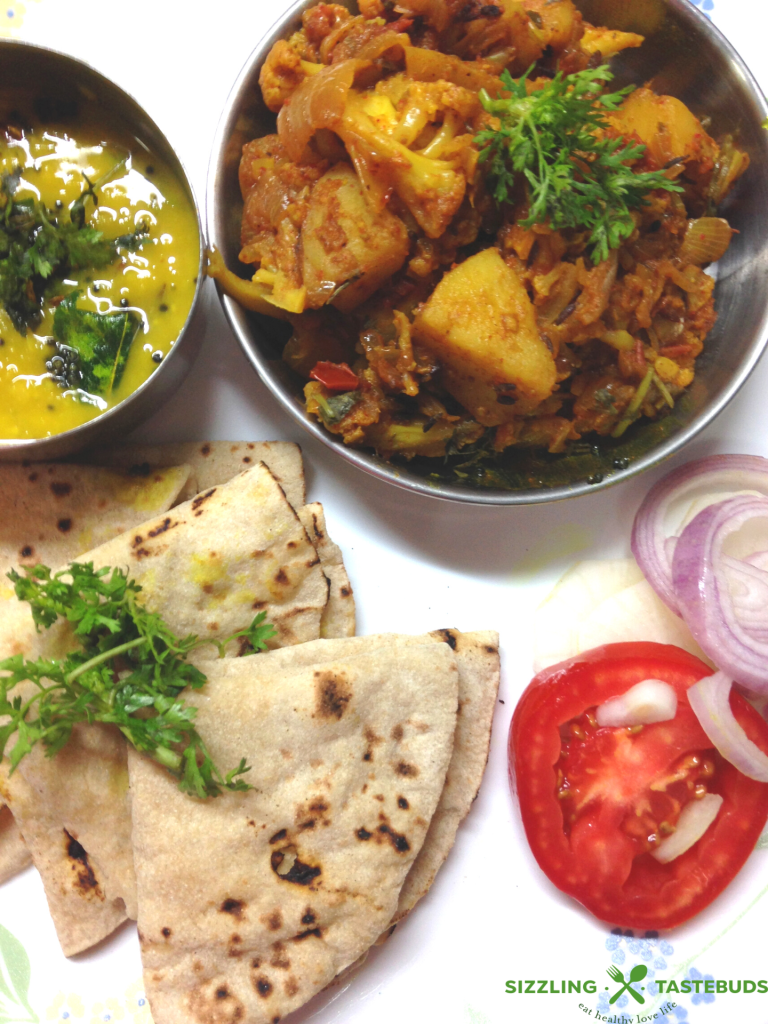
x: 474, y: 240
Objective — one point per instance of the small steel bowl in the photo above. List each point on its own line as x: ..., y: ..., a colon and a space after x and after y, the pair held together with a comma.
x: 55, y: 78
x: 684, y: 55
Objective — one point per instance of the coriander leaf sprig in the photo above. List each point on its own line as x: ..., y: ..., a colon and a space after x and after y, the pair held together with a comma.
x: 38, y: 247
x: 577, y: 176
x: 129, y: 672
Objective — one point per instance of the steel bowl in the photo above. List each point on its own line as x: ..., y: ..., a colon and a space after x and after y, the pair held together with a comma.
x: 684, y: 55
x: 67, y: 84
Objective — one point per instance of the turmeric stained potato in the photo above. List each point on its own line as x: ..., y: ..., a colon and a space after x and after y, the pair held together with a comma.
x: 480, y: 324
x: 350, y: 249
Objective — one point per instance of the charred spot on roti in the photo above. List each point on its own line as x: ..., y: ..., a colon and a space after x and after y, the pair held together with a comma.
x: 138, y: 540
x: 278, y: 836
x: 310, y: 823
x: 346, y: 591
x: 233, y: 907
x: 27, y: 551
x: 490, y: 649
x: 263, y: 986
x: 313, y: 562
x: 309, y: 916
x: 201, y: 499
x: 379, y: 797
x: 316, y: 932
x: 289, y: 868
x: 212, y: 626
x: 273, y: 920
x: 166, y: 933
x: 258, y: 553
x: 205, y: 450
x: 86, y: 879
x: 410, y: 771
x: 218, y: 1006
x: 64, y: 525
x: 32, y: 477
x: 142, y: 553
x: 247, y: 459
x: 364, y: 834
x: 167, y: 524
x: 291, y: 986
x: 397, y: 733
x: 402, y: 803
x: 318, y: 532
x: 448, y: 636
x: 258, y: 605
x: 292, y: 544
x: 372, y: 740
x: 281, y: 577
x: 255, y: 963
x: 60, y: 489
x: 279, y: 959
x: 332, y: 694
x: 398, y: 841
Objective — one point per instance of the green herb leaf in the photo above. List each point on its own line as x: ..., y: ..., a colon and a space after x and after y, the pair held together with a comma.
x: 36, y: 249
x: 576, y: 176
x: 129, y: 672
x: 334, y: 408
x: 102, y: 342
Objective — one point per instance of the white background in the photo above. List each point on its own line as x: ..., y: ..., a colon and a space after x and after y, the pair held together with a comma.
x: 416, y: 564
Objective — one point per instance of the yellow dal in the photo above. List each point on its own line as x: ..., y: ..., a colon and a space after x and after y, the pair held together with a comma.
x: 158, y: 280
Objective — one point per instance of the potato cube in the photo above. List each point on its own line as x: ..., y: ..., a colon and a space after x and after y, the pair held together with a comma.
x: 347, y: 242
x: 479, y: 324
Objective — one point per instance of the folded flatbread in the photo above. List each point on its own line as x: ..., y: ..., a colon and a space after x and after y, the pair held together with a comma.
x: 252, y: 903
x: 213, y: 462
x: 338, y: 618
x: 208, y: 566
x: 477, y: 661
x: 52, y: 513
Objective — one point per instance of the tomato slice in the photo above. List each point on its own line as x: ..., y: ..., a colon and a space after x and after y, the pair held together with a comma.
x: 595, y: 801
x: 335, y: 376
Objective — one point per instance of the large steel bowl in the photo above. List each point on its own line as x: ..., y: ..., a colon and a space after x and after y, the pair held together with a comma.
x: 684, y: 55
x: 48, y: 77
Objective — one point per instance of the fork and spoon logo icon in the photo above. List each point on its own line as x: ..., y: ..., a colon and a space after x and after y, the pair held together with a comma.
x: 637, y: 973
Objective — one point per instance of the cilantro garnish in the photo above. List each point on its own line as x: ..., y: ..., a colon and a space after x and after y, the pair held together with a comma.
x: 129, y: 672
x: 577, y: 176
x: 38, y: 247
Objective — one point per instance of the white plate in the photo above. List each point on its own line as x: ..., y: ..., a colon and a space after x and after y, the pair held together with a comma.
x: 416, y: 564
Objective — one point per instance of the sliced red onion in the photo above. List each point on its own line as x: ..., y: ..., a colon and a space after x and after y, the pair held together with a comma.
x: 710, y: 701
x: 695, y: 818
x: 724, y: 600
x: 655, y: 530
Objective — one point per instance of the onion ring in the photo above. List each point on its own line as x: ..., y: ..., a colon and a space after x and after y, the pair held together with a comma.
x: 652, y: 542
x: 723, y: 599
x: 710, y: 701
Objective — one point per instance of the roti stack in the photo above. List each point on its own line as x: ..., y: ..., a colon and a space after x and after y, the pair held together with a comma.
x: 365, y: 753
x: 209, y: 566
x: 51, y: 513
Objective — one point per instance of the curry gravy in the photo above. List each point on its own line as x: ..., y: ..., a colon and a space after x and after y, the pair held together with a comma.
x: 157, y: 281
